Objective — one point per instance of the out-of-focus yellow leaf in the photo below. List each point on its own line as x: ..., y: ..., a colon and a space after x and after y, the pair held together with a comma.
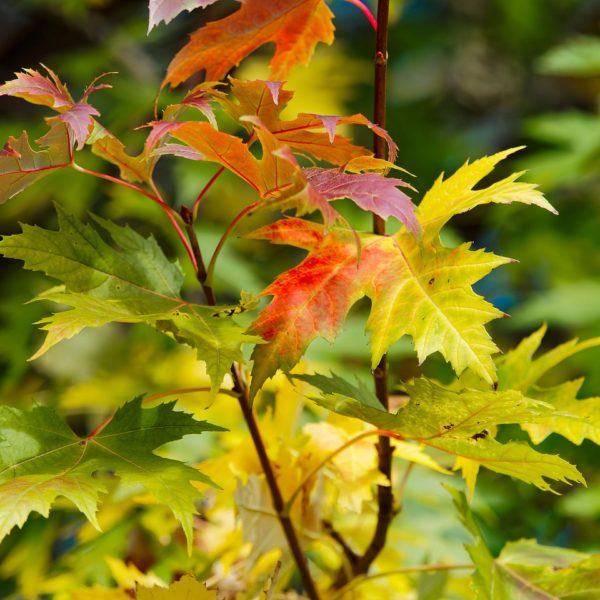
x: 187, y: 588
x: 128, y: 576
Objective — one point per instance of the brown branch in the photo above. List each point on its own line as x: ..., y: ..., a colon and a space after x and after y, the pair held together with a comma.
x: 240, y: 387
x: 385, y: 497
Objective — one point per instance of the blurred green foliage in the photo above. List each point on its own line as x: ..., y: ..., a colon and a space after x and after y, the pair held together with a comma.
x: 467, y: 78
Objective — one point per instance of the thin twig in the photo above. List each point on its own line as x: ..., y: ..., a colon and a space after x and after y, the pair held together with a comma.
x: 98, y: 429
x: 180, y: 391
x: 385, y: 496
x: 366, y: 11
x: 168, y: 210
x: 205, y: 189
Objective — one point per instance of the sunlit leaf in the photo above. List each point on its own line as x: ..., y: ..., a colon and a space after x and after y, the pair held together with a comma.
x: 459, y: 424
x: 422, y: 292
x: 455, y: 195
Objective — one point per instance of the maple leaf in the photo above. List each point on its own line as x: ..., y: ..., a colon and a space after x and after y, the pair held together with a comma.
x: 304, y: 134
x: 167, y: 10
x: 21, y: 166
x: 41, y: 458
x: 423, y: 292
x: 105, y: 145
x: 277, y: 175
x: 455, y: 423
x: 136, y: 284
x: 34, y: 87
x: 294, y: 26
x: 417, y: 288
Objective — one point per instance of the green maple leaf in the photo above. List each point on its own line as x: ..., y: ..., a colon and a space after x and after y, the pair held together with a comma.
x: 458, y: 423
x: 41, y: 458
x: 525, y: 569
x: 133, y: 283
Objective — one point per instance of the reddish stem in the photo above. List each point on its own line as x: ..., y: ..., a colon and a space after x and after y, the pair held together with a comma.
x: 98, y: 429
x: 171, y: 214
x: 203, y: 192
x: 121, y: 182
x: 366, y: 10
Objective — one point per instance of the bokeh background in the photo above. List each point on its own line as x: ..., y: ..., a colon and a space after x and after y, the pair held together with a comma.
x: 467, y: 78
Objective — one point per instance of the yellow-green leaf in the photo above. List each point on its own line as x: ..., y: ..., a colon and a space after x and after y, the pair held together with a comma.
x: 455, y: 195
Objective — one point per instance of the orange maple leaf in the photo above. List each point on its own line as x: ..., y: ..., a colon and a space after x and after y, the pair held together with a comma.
x: 294, y: 26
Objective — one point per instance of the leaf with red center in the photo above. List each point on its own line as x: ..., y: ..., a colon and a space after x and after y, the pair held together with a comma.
x: 294, y: 26
x: 417, y: 287
x: 167, y: 10
x: 422, y: 292
x: 371, y: 191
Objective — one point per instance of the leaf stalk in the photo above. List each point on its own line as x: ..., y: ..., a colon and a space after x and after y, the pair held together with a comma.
x: 168, y: 210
